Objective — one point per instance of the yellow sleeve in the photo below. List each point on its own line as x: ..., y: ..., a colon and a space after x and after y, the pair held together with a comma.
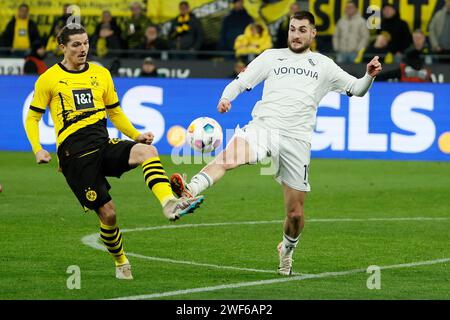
x: 32, y: 129
x: 110, y: 97
x: 41, y: 99
x: 121, y: 122
x: 41, y: 95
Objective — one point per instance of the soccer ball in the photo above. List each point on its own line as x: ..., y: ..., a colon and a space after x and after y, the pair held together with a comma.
x: 204, y: 134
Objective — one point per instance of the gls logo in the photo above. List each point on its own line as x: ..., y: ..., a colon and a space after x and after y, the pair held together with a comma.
x: 330, y: 131
x: 145, y: 118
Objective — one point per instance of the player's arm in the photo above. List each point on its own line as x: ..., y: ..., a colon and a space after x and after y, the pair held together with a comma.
x: 255, y: 72
x: 41, y: 99
x: 32, y: 130
x: 341, y: 80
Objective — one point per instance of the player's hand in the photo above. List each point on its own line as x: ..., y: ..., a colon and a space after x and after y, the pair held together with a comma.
x: 374, y: 67
x: 43, y: 156
x: 146, y: 138
x: 224, y: 105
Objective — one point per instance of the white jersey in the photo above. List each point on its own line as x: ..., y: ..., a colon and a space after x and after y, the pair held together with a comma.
x: 294, y: 85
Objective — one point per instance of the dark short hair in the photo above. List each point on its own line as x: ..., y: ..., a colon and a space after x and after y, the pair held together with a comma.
x: 352, y: 2
x: 389, y: 5
x: 68, y: 30
x: 304, y: 15
x: 24, y: 5
x: 183, y: 3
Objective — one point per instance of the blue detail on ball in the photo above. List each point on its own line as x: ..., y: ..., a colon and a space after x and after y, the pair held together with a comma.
x: 208, y: 128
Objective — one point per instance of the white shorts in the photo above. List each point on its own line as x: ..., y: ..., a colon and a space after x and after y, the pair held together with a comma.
x: 289, y: 158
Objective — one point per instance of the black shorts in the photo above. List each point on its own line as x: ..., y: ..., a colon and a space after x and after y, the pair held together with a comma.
x: 86, y: 172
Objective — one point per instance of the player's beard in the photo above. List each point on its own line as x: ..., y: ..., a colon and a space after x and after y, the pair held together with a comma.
x: 79, y: 61
x: 300, y: 49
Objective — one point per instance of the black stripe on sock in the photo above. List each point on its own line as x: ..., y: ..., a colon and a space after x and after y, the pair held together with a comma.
x: 118, y: 254
x: 206, y: 177
x: 160, y: 171
x: 108, y: 230
x: 152, y: 162
x: 153, y: 167
x: 116, y: 250
x: 108, y: 238
x: 116, y: 243
x: 152, y: 183
x: 289, y: 240
x: 147, y: 169
x: 152, y: 173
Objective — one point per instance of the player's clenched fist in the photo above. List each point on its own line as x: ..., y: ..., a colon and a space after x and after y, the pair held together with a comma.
x: 43, y: 156
x: 146, y: 138
x: 374, y: 67
x: 224, y: 105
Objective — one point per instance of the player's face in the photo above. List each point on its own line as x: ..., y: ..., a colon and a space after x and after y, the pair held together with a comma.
x: 76, y: 50
x: 300, y: 36
x: 23, y: 12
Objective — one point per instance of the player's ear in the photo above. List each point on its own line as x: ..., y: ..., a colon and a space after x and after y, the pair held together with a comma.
x: 313, y: 31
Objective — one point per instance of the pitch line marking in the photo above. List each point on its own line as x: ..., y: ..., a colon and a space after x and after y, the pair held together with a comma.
x: 277, y: 280
x: 91, y: 240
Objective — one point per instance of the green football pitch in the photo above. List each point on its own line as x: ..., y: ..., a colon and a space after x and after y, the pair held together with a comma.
x: 389, y: 214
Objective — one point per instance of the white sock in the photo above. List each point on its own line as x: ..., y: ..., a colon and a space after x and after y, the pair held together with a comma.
x: 200, y: 182
x: 290, y: 243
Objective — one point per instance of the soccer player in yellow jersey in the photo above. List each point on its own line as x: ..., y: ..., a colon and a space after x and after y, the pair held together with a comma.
x: 80, y: 97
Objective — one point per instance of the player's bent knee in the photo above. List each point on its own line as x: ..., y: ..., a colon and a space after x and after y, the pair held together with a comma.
x: 149, y: 152
x: 107, y: 213
x: 141, y: 152
x: 229, y: 166
x: 295, y: 215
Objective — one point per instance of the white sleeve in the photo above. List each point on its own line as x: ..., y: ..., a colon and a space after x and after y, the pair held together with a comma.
x: 256, y: 71
x: 341, y: 81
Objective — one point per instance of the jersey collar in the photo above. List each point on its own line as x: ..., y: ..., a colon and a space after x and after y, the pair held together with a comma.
x: 86, y: 67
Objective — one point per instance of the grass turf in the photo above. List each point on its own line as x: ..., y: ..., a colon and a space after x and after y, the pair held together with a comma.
x: 42, y: 225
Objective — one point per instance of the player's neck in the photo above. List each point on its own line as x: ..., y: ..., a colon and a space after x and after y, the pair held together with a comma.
x: 307, y: 50
x: 72, y: 67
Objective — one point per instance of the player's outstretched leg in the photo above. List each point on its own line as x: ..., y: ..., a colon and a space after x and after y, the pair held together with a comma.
x: 158, y: 182
x: 293, y: 226
x: 237, y: 153
x: 112, y: 238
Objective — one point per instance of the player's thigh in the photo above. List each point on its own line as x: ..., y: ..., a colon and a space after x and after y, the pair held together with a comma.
x: 236, y: 153
x: 84, y: 176
x: 247, y: 146
x: 116, y: 156
x: 293, y: 164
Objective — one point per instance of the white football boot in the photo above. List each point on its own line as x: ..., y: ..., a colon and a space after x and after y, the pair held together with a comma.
x: 285, y: 255
x: 175, y: 208
x: 123, y: 272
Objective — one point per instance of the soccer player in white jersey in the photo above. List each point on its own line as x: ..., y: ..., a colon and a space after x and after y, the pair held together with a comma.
x: 295, y: 81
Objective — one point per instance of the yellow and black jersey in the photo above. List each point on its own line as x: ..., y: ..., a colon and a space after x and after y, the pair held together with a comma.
x: 79, y: 102
x: 76, y: 99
